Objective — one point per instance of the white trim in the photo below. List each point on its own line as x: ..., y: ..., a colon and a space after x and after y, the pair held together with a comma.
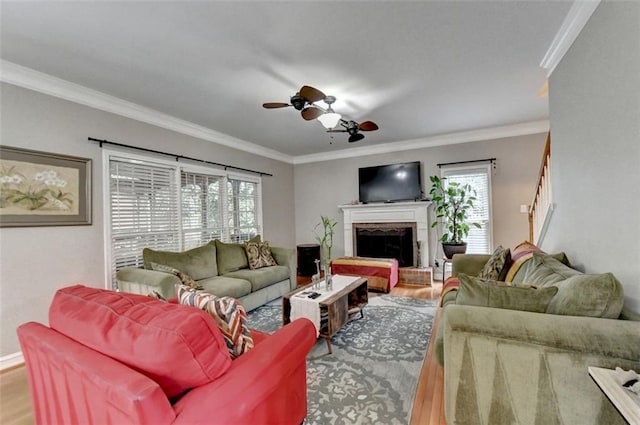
x: 488, y: 168
x: 490, y: 133
x: 106, y: 181
x: 38, y: 81
x: 11, y: 360
x: 21, y: 76
x: 398, y: 212
x: 573, y: 23
x: 545, y: 226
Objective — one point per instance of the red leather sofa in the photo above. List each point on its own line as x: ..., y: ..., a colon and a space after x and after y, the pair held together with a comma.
x: 117, y: 358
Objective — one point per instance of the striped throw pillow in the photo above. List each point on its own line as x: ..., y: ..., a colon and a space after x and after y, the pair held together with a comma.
x: 520, y: 255
x: 228, y: 314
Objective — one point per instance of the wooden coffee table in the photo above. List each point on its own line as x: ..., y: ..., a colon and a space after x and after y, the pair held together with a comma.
x: 336, y: 310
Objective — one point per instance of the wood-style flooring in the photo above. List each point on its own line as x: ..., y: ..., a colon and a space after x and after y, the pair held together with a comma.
x: 428, y: 407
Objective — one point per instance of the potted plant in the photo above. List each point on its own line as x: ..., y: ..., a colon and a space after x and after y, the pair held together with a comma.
x: 453, y: 205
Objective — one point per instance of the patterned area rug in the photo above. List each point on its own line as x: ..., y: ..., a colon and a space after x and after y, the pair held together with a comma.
x: 372, y: 375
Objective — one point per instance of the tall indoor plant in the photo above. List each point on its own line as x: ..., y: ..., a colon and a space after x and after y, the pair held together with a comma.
x: 453, y: 204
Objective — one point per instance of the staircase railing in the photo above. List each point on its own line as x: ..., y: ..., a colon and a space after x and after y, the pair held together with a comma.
x: 541, y: 205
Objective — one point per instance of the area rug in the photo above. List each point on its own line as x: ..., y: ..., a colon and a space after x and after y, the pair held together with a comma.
x: 372, y: 375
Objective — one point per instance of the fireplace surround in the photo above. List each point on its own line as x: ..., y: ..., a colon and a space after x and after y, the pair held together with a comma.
x: 379, y: 220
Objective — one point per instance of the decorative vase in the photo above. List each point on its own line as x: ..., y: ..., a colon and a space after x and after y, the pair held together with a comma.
x: 327, y: 275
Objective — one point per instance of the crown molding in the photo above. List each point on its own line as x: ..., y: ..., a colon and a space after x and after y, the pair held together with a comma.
x: 490, y: 133
x: 573, y: 23
x: 31, y: 79
x: 28, y: 78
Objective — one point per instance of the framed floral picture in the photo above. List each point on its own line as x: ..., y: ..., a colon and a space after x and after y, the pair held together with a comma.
x: 43, y: 189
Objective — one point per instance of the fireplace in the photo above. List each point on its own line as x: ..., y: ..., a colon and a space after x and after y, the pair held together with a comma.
x: 386, y: 240
x: 379, y: 224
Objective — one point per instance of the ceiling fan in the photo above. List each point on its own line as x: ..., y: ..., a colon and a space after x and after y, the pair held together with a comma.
x: 354, y: 129
x: 304, y: 101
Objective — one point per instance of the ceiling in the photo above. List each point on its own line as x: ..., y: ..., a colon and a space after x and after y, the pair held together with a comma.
x: 418, y: 69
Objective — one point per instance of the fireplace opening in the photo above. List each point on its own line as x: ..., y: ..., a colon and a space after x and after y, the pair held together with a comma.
x: 386, y: 240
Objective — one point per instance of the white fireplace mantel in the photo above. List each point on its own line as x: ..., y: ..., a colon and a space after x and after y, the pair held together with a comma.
x: 397, y: 212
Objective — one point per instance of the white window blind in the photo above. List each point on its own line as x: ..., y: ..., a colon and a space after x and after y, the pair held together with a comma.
x: 202, y: 209
x: 143, y: 211
x: 479, y: 240
x: 170, y: 207
x: 242, y: 209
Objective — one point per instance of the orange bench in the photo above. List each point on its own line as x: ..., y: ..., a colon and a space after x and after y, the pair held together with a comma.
x: 381, y: 273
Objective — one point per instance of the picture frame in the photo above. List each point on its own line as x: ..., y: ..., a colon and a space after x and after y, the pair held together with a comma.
x: 43, y: 189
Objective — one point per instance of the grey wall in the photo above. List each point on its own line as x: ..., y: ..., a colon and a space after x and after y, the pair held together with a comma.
x: 36, y: 261
x: 594, y: 101
x: 320, y: 187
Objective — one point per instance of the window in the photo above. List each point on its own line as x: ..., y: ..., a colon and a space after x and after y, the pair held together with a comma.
x: 202, y: 218
x: 174, y: 207
x: 479, y: 240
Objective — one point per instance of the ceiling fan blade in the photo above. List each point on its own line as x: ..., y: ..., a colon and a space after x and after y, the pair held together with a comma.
x: 272, y: 105
x: 368, y: 126
x: 311, y: 113
x: 356, y: 137
x: 311, y: 94
x: 332, y: 130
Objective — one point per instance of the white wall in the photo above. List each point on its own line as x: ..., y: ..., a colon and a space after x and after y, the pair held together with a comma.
x: 594, y: 101
x: 36, y: 261
x: 320, y: 187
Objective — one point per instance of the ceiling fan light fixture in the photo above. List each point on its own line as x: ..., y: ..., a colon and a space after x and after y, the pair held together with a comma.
x: 329, y: 119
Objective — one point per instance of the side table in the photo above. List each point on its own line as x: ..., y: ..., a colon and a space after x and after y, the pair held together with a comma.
x: 626, y: 402
x: 307, y: 253
x: 445, y: 261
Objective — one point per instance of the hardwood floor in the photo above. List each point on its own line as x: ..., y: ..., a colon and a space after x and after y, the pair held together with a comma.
x: 15, y: 404
x: 428, y: 407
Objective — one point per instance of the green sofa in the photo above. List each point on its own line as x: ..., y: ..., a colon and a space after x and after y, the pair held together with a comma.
x: 507, y: 366
x: 219, y: 268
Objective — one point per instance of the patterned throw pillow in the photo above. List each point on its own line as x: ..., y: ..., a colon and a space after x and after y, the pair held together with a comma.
x: 259, y: 255
x: 184, y: 278
x: 497, y: 265
x: 520, y: 255
x: 228, y: 313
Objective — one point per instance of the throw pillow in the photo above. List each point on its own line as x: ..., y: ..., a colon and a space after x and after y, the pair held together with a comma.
x: 498, y: 264
x: 228, y: 314
x: 259, y: 255
x: 489, y: 293
x: 592, y: 295
x: 199, y: 263
x: 232, y: 256
x: 520, y: 255
x: 184, y: 278
x: 544, y: 270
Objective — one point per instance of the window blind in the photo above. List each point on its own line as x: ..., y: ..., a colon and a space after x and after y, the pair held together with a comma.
x: 479, y: 239
x: 242, y: 209
x: 143, y: 211
x: 202, y: 209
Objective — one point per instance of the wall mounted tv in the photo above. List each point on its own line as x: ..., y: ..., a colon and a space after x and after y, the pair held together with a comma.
x: 390, y: 183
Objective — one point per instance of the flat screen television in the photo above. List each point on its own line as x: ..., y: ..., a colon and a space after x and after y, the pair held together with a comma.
x: 390, y: 183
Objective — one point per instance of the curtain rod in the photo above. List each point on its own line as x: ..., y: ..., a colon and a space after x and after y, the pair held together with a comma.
x: 177, y: 157
x: 492, y: 160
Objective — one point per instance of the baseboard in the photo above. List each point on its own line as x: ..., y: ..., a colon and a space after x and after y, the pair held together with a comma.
x: 12, y: 360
